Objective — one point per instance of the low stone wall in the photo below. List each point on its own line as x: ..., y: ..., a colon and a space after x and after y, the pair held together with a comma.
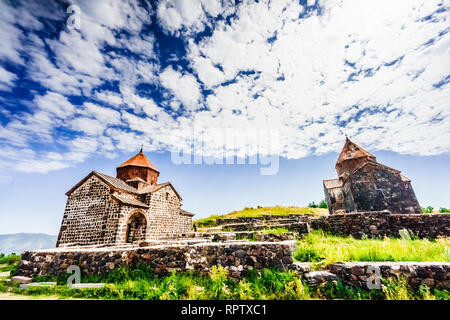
x: 431, y: 274
x: 383, y: 223
x: 298, y: 227
x: 245, y: 235
x: 235, y: 257
x: 265, y: 218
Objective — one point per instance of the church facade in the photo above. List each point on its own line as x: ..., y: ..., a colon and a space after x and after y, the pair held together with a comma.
x: 363, y: 184
x: 128, y: 208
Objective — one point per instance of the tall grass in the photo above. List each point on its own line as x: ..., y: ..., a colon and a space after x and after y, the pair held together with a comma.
x: 141, y: 284
x: 318, y: 246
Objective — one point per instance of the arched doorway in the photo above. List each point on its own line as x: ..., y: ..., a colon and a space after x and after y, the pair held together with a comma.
x: 136, y: 228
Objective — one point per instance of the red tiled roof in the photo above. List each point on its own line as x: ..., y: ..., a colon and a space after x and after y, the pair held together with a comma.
x: 139, y: 160
x: 117, y: 183
x: 404, y: 178
x: 110, y: 181
x: 127, y: 199
x: 351, y: 151
x: 187, y: 213
x: 154, y: 188
x: 374, y: 163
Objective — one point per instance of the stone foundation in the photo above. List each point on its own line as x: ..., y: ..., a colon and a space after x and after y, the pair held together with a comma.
x: 235, y: 257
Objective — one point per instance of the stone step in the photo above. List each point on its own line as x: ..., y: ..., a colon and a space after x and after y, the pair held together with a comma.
x: 37, y: 284
x: 266, y: 218
x: 21, y: 279
x: 316, y: 278
x: 88, y: 285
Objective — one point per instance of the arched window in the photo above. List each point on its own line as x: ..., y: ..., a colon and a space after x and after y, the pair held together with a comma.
x: 136, y: 228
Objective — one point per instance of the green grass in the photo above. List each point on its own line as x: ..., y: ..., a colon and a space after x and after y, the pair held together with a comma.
x: 275, y: 230
x: 9, y: 259
x: 318, y: 246
x: 140, y: 284
x: 9, y: 262
x: 261, y: 211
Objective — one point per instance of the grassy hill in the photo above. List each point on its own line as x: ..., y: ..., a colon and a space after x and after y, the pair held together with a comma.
x: 261, y: 211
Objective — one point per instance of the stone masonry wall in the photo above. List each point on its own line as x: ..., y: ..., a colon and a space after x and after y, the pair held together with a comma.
x: 91, y: 216
x: 431, y: 274
x: 235, y: 257
x: 376, y: 188
x: 165, y: 217
x: 383, y: 223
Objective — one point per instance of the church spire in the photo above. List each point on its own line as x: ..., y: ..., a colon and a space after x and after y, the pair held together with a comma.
x: 351, y: 156
x: 138, y: 166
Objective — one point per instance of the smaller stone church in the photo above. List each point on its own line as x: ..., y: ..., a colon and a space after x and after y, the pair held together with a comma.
x: 128, y: 208
x: 363, y: 184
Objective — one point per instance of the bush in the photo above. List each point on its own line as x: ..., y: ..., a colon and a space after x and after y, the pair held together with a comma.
x: 428, y: 209
x: 313, y: 205
x: 323, y: 204
x: 9, y: 259
x: 444, y: 210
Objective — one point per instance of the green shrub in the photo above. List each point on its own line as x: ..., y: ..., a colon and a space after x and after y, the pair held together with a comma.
x: 428, y: 209
x: 9, y: 259
x: 323, y: 204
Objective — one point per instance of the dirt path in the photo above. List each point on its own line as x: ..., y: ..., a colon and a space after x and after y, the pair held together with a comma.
x: 12, y: 296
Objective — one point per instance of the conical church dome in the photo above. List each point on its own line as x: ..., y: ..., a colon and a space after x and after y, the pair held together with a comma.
x: 139, y: 160
x: 136, y: 168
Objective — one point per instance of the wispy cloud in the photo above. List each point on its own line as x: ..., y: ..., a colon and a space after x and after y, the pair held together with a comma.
x: 146, y: 72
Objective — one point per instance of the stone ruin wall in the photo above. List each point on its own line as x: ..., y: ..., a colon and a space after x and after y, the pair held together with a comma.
x: 357, y: 224
x: 235, y: 257
x: 265, y: 218
x: 432, y: 274
x: 84, y: 221
x: 382, y: 223
x: 164, y: 214
x: 334, y: 197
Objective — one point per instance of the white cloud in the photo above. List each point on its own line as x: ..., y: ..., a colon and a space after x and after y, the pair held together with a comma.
x: 261, y: 67
x: 6, y: 79
x: 109, y: 97
x: 56, y: 104
x: 301, y: 74
x: 183, y: 86
x: 190, y: 14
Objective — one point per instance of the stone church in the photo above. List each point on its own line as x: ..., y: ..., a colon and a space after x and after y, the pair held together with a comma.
x: 128, y: 208
x: 363, y: 184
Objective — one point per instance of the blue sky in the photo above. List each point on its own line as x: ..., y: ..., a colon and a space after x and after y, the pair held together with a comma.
x: 175, y: 74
